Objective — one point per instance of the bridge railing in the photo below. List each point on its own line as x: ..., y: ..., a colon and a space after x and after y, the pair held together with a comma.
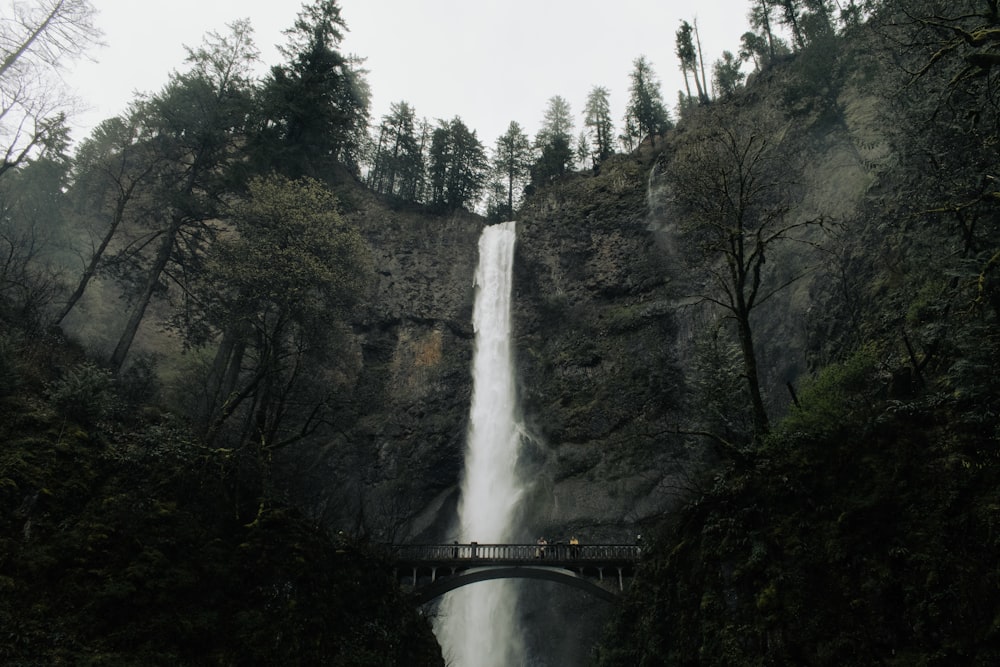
x: 509, y: 553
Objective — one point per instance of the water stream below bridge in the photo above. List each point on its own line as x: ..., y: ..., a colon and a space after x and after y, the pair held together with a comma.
x: 477, y: 625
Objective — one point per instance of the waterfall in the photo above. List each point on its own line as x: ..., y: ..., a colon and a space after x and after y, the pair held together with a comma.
x: 476, y: 624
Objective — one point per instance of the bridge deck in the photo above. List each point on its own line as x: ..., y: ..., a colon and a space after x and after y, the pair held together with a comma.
x: 485, y: 555
x: 435, y: 569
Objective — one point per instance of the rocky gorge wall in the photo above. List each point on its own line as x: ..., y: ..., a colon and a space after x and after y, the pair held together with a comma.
x: 392, y: 468
x: 606, y: 346
x: 596, y: 369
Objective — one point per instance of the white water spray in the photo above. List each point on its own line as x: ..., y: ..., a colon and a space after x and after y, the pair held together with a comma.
x: 476, y: 626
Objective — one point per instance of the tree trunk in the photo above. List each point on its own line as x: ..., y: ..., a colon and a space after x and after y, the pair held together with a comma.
x: 23, y: 47
x: 701, y: 60
x: 761, y: 425
x: 767, y: 29
x: 222, y: 377
x: 139, y: 309
x: 793, y: 22
x: 697, y: 84
x: 510, y: 186
x: 91, y: 268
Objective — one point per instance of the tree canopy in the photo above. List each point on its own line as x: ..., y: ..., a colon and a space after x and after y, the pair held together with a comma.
x: 315, y: 106
x: 36, y: 41
x: 646, y: 113
x: 458, y: 165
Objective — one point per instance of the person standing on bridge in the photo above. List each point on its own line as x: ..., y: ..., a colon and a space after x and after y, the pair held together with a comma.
x: 540, y: 550
x: 574, y: 547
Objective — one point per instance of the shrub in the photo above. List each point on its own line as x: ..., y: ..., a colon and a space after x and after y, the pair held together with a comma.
x: 841, y: 394
x: 85, y: 394
x: 10, y: 371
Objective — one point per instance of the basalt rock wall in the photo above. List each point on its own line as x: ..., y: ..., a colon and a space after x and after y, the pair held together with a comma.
x: 596, y: 363
x: 391, y: 469
x: 606, y: 337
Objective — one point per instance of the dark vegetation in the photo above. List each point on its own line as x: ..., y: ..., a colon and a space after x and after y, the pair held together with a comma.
x: 861, y: 528
x: 857, y: 527
x: 125, y: 541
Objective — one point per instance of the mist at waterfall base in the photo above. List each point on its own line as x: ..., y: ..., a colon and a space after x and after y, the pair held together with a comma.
x: 477, y: 625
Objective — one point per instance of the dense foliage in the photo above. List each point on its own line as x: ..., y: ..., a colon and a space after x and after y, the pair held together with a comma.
x: 863, y: 533
x: 141, y: 528
x: 862, y: 529
x: 125, y: 541
x: 858, y: 528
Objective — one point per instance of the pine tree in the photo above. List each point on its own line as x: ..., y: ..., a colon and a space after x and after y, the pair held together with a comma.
x: 315, y: 106
x: 199, y: 128
x: 726, y: 74
x: 688, y: 54
x: 398, y: 164
x: 458, y: 165
x: 648, y: 115
x: 554, y: 142
x: 512, y: 158
x: 597, y: 120
x: 790, y: 10
x: 817, y: 20
x: 760, y: 20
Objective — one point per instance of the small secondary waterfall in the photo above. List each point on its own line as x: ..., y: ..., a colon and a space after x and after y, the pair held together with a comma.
x: 476, y: 624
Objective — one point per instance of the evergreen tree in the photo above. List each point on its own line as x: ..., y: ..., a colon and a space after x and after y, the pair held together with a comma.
x: 553, y: 142
x: 753, y: 47
x: 684, y: 48
x: 112, y: 172
x: 726, y: 74
x: 688, y: 54
x: 816, y: 20
x: 398, y: 164
x: 458, y: 166
x: 760, y: 20
x: 557, y: 122
x: 274, y: 291
x: 790, y: 15
x: 315, y: 106
x: 583, y: 150
x: 853, y: 14
x: 512, y: 158
x: 649, y: 118
x: 31, y: 210
x: 198, y: 130
x: 597, y: 121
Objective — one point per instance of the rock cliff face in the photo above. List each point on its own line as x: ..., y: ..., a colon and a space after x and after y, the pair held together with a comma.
x: 596, y: 355
x: 392, y: 469
x: 606, y: 343
x: 607, y: 346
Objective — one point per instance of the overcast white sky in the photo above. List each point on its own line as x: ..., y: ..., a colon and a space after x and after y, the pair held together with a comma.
x: 486, y: 61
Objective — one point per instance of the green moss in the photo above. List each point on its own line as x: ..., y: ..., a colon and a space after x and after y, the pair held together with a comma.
x: 841, y: 394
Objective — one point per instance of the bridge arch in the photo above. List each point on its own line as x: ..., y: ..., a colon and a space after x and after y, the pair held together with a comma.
x: 444, y: 585
x: 454, y: 565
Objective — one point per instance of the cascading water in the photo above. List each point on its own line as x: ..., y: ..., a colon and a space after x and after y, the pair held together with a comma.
x: 476, y: 624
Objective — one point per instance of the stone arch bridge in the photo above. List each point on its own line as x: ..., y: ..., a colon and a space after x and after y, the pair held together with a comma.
x: 429, y: 571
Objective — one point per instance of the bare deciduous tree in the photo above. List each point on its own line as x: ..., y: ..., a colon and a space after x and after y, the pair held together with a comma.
x: 731, y: 196
x: 36, y: 41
